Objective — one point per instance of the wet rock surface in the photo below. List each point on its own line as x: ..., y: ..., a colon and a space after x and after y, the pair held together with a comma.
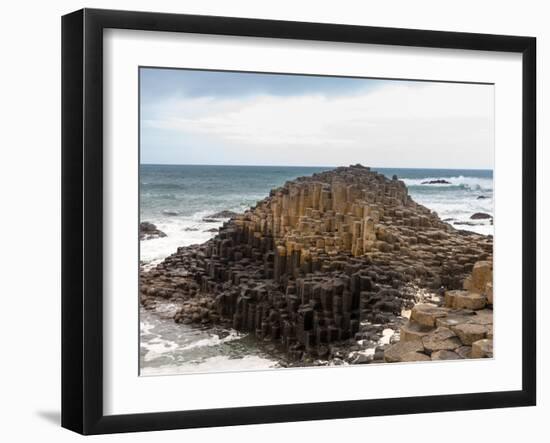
x: 436, y: 182
x: 480, y: 216
x: 324, y: 268
x: 148, y: 231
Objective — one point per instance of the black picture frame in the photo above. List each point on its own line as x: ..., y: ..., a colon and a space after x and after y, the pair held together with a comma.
x: 82, y: 219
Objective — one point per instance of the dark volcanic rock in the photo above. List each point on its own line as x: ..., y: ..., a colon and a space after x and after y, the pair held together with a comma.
x: 480, y: 216
x: 223, y: 214
x: 436, y: 182
x: 465, y: 232
x: 149, y: 231
x: 315, y: 262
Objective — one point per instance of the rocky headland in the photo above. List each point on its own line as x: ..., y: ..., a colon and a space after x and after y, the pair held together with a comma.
x: 338, y: 267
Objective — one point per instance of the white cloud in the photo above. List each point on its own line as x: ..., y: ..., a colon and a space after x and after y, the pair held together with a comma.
x: 401, y: 125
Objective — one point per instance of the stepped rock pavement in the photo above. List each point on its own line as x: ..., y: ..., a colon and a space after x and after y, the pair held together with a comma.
x: 461, y: 328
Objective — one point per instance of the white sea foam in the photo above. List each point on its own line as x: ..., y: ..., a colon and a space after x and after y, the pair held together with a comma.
x: 180, y: 231
x: 458, y: 211
x: 387, y: 334
x: 473, y: 183
x: 156, y: 346
x: 146, y: 327
x: 214, y: 340
x: 170, y: 348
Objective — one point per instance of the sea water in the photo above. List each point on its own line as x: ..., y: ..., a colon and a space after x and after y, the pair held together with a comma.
x: 179, y: 200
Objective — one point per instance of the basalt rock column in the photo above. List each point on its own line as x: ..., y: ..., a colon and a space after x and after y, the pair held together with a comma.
x: 461, y: 328
x: 318, y: 256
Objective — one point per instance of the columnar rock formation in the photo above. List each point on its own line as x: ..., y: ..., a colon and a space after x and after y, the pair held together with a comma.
x: 315, y: 260
x: 462, y: 328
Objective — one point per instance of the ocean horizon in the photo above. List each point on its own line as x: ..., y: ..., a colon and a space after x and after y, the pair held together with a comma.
x: 374, y: 168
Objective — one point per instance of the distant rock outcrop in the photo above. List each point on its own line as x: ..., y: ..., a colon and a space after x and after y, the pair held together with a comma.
x: 436, y: 182
x: 480, y: 216
x: 322, y: 262
x: 148, y: 231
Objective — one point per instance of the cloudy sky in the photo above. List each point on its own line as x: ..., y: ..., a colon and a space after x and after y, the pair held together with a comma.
x: 212, y: 117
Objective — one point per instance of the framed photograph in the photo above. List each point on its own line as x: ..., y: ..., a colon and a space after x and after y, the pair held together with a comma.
x: 269, y: 221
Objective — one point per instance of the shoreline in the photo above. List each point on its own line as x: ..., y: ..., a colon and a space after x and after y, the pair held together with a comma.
x: 354, y: 348
x: 190, y: 238
x: 176, y: 199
